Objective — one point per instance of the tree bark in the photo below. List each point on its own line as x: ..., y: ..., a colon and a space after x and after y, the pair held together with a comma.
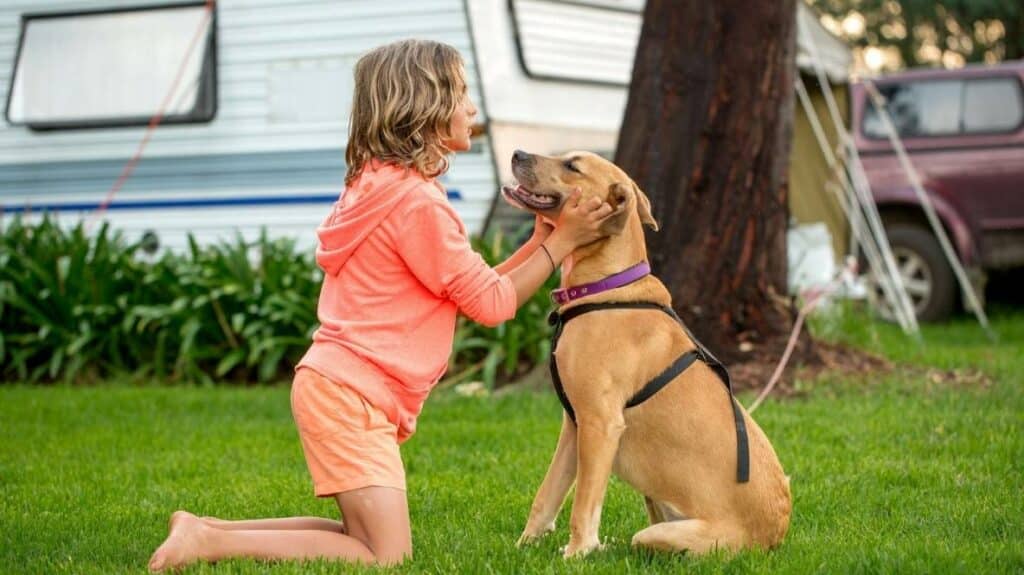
x: 706, y: 134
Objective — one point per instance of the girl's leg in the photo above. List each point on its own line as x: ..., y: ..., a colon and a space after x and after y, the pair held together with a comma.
x: 277, y: 524
x: 377, y: 519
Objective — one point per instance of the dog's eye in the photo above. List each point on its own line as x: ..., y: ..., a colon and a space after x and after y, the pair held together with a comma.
x: 569, y: 165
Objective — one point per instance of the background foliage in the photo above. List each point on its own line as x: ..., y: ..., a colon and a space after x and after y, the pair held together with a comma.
x: 930, y: 32
x: 78, y: 306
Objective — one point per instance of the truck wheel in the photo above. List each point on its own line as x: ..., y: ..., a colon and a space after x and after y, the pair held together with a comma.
x: 926, y: 274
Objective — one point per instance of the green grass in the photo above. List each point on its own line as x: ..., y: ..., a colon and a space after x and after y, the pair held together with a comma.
x: 891, y: 474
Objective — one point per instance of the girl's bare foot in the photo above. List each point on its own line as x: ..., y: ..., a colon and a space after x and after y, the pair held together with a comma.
x: 183, y: 545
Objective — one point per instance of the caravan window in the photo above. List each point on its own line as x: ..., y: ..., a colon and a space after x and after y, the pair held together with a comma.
x: 114, y: 68
x: 585, y: 40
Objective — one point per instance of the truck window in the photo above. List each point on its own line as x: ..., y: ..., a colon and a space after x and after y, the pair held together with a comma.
x: 992, y: 105
x: 113, y: 68
x: 918, y: 109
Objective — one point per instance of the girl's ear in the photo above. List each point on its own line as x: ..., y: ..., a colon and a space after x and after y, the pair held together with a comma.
x: 643, y: 207
x: 618, y: 198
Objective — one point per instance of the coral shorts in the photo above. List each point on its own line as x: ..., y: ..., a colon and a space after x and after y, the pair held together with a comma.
x: 348, y: 443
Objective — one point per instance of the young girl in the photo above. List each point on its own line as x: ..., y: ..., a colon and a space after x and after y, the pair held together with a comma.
x: 398, y: 267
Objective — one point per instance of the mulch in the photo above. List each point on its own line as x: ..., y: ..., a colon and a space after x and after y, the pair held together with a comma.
x: 816, y: 362
x: 824, y: 360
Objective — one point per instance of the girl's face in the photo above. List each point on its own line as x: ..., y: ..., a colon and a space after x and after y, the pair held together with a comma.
x: 461, y: 126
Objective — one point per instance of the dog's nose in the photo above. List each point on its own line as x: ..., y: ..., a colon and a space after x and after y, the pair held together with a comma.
x: 520, y: 156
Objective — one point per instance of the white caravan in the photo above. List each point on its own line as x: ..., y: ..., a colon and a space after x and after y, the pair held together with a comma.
x: 256, y: 102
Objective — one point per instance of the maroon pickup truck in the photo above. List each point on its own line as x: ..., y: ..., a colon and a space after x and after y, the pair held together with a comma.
x: 964, y: 132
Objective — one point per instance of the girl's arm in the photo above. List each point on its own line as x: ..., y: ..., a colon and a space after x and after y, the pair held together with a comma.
x: 439, y: 255
x: 541, y: 231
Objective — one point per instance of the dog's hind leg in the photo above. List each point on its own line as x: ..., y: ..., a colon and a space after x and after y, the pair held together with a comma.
x: 659, y: 511
x: 653, y: 513
x: 694, y: 535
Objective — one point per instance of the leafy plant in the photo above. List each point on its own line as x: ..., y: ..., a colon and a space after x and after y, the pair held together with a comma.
x: 80, y: 306
x: 77, y: 306
x: 61, y: 297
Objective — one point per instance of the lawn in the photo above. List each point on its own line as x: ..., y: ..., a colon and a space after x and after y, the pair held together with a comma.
x: 899, y: 473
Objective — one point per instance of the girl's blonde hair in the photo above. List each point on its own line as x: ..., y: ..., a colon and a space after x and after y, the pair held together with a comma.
x: 405, y: 96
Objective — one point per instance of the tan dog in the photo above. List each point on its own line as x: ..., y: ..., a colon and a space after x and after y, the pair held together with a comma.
x: 678, y: 448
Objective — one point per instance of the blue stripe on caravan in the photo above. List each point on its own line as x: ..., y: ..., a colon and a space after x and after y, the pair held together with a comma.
x: 192, y: 203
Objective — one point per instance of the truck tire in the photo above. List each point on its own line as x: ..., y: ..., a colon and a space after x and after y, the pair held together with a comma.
x: 927, y: 276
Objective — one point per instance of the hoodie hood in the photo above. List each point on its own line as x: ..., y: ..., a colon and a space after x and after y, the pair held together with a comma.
x: 360, y: 209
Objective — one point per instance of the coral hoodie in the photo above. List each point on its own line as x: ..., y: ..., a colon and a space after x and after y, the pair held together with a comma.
x: 398, y: 267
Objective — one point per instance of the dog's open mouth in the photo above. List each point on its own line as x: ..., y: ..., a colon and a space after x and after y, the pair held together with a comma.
x: 531, y: 199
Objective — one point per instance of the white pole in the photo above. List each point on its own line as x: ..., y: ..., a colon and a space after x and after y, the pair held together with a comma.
x: 929, y: 208
x: 866, y: 205
x: 858, y: 226
x: 860, y: 182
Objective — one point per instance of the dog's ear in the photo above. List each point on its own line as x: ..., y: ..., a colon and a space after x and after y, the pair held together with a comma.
x: 643, y: 207
x: 618, y: 198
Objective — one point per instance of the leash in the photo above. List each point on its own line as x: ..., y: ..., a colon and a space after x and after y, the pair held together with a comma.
x: 812, y: 302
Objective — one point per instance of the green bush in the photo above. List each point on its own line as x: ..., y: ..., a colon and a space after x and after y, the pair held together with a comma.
x: 62, y: 296
x: 79, y: 306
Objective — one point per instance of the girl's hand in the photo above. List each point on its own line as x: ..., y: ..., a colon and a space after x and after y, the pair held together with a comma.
x: 579, y: 223
x: 541, y: 230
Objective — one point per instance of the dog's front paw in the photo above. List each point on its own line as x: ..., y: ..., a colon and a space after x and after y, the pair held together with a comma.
x: 580, y: 549
x: 531, y: 534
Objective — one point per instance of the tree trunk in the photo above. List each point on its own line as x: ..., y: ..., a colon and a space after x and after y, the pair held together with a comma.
x: 707, y: 133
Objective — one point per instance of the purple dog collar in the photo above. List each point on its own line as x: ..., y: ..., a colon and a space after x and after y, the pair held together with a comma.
x: 565, y: 295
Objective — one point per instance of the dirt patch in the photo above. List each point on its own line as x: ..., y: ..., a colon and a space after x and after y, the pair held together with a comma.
x: 820, y: 358
x: 815, y: 360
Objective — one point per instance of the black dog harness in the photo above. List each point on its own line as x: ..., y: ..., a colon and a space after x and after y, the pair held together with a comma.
x: 558, y: 321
